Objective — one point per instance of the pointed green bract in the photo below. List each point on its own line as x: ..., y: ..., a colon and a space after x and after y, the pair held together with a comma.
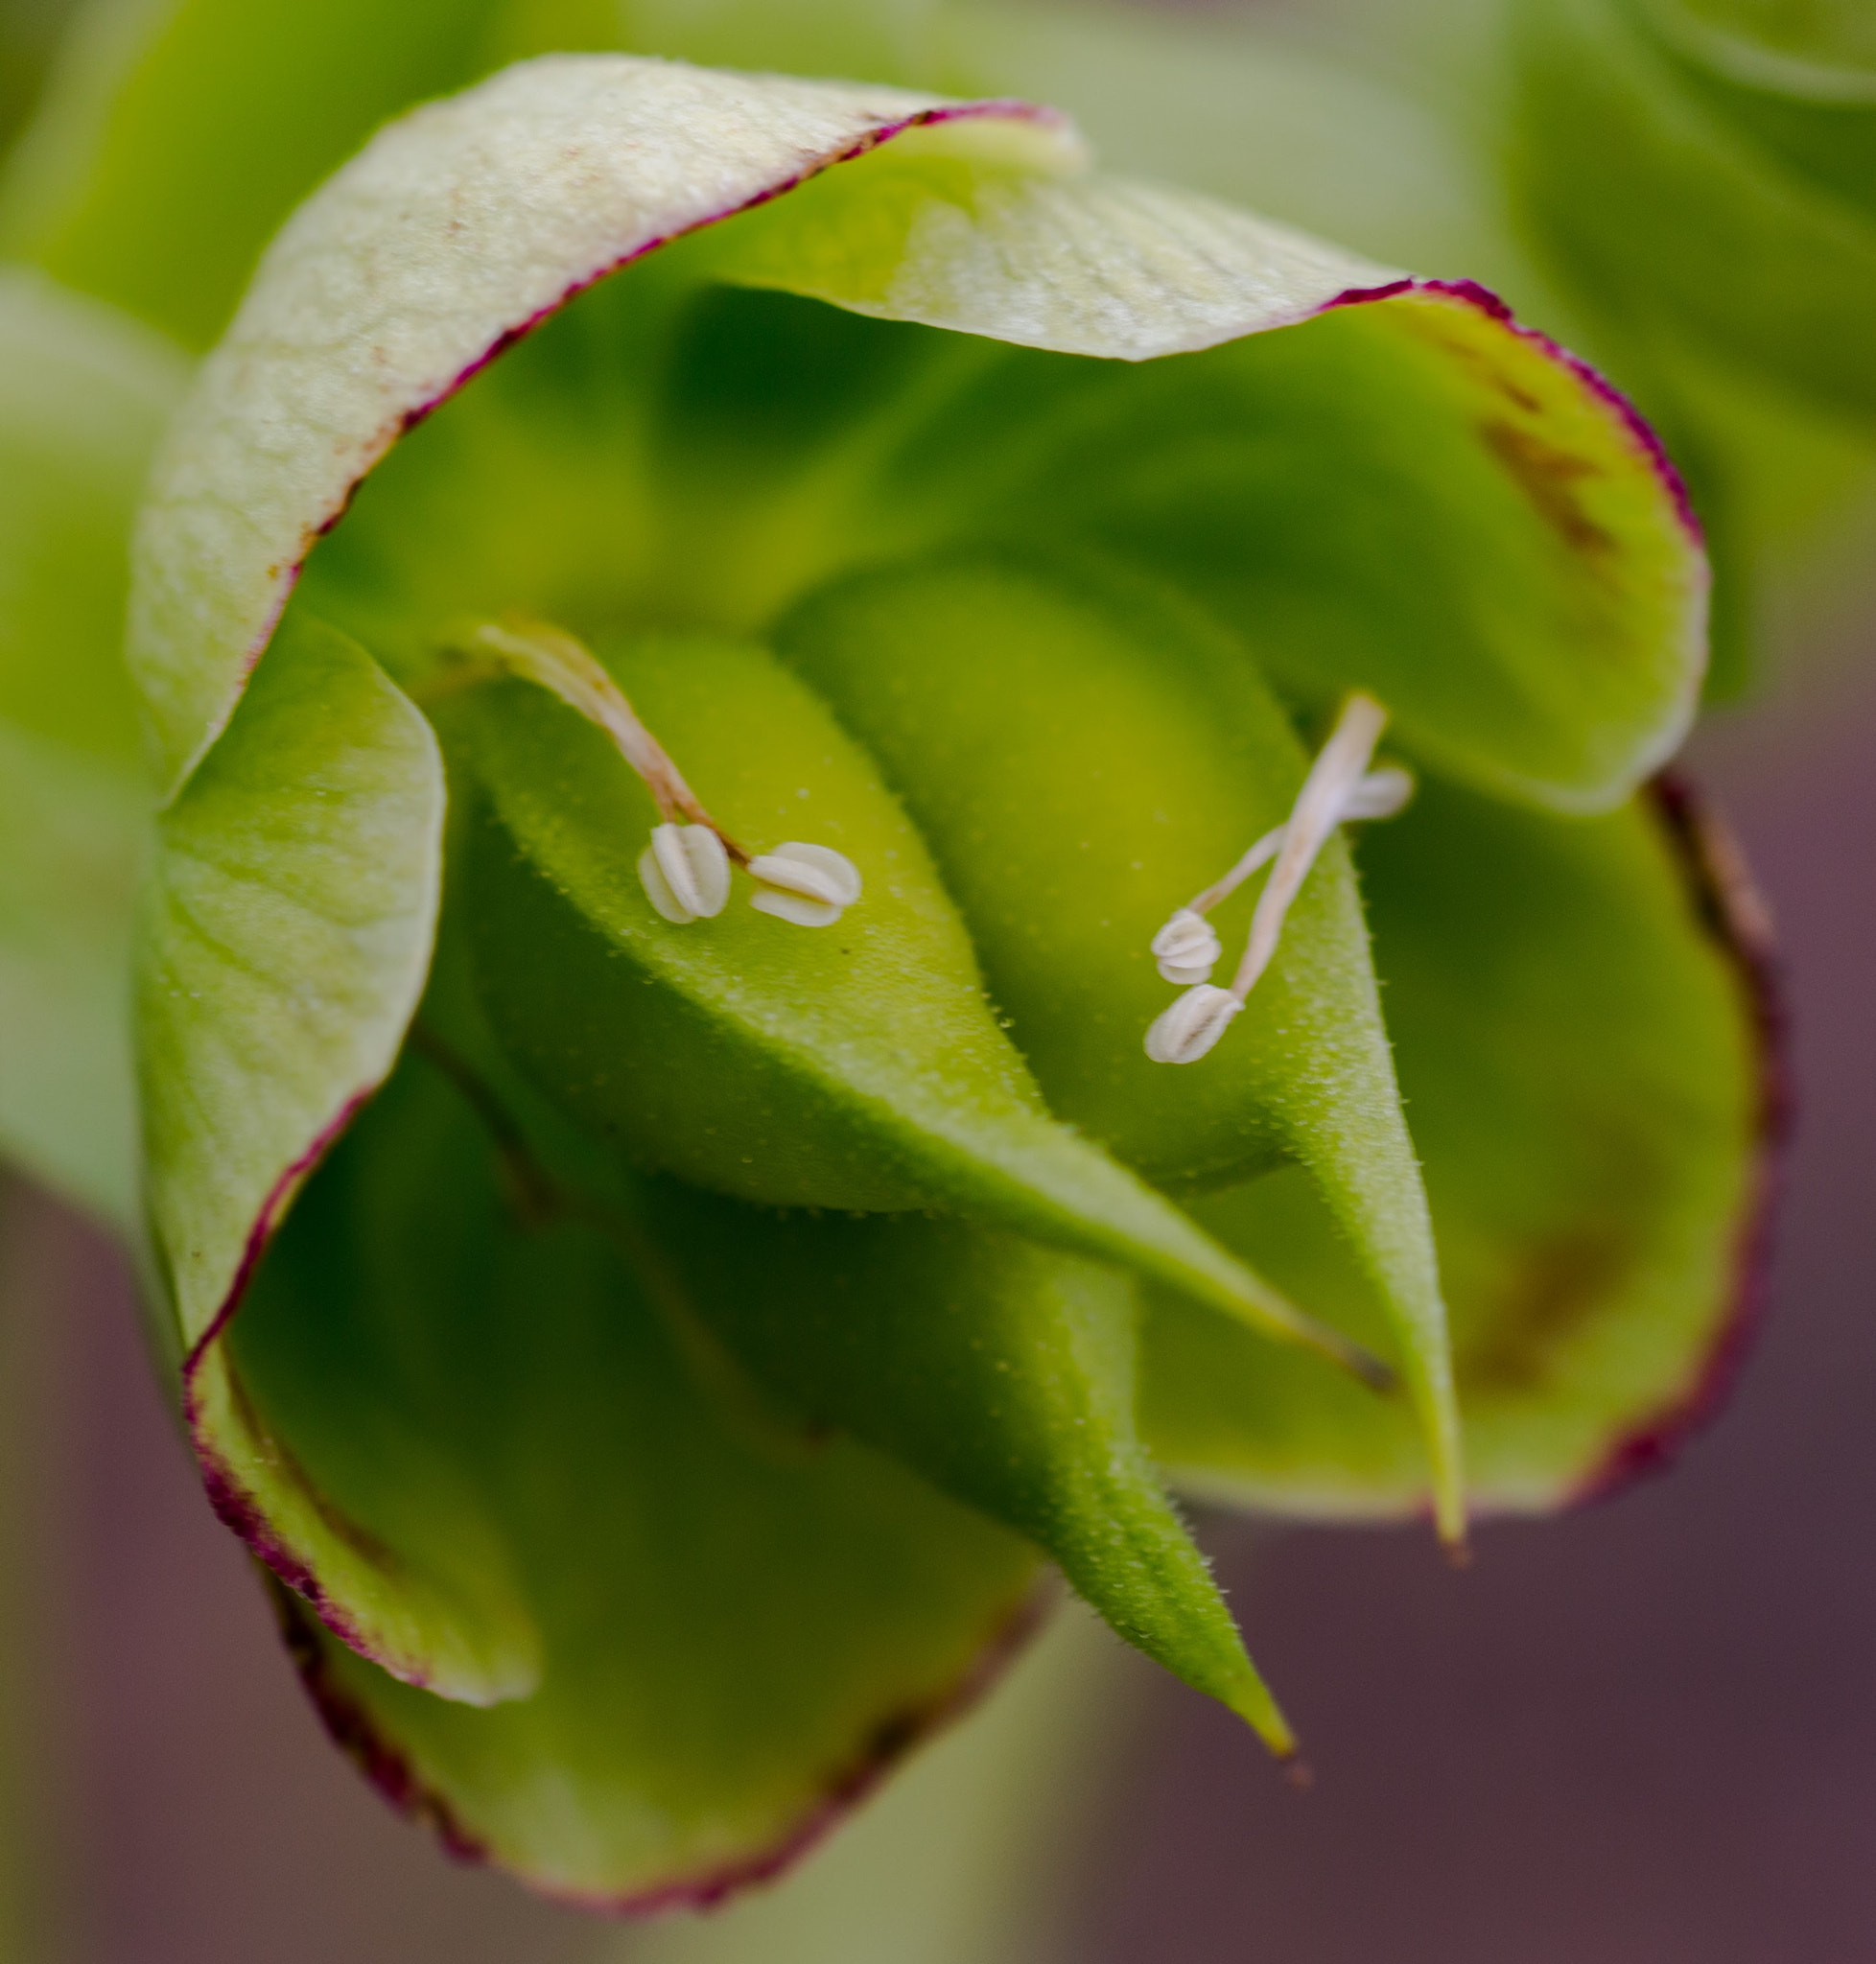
x: 1578, y: 1053
x: 1084, y: 755
x: 1002, y: 1372
x: 735, y: 1640
x: 854, y: 1066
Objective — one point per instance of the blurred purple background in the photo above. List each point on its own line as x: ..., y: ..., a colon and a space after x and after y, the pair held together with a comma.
x: 1644, y: 1735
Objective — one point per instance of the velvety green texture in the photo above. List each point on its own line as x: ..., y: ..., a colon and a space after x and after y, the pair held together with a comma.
x: 734, y: 1632
x: 1684, y: 189
x: 854, y: 1067
x: 1002, y: 1372
x: 1576, y: 1053
x: 550, y: 1439
x: 1085, y: 753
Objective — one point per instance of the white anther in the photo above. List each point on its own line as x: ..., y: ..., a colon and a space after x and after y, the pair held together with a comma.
x: 1187, y: 947
x: 1340, y: 787
x: 1196, y: 1020
x: 685, y: 873
x: 810, y: 885
x: 1380, y: 794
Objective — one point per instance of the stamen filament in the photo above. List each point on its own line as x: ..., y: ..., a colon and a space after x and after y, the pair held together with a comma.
x: 1261, y: 853
x: 686, y: 869
x: 1319, y: 809
x: 1339, y: 787
x: 555, y: 661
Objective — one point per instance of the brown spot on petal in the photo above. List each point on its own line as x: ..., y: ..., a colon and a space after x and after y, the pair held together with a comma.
x: 1547, y: 476
x: 1559, y: 1287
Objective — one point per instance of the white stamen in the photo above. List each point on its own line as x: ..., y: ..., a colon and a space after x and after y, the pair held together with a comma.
x: 685, y: 873
x: 1339, y: 788
x: 1337, y: 769
x: 1187, y: 947
x: 810, y: 886
x: 559, y: 663
x: 1261, y: 853
x: 1196, y: 1020
x: 686, y: 869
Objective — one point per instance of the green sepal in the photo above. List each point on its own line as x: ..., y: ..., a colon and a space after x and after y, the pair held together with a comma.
x: 1084, y: 753
x: 286, y: 935
x: 1581, y: 1053
x: 857, y: 1066
x: 737, y: 1639
x: 1001, y: 1371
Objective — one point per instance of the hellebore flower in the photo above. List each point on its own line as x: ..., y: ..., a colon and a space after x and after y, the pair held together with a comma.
x: 699, y: 632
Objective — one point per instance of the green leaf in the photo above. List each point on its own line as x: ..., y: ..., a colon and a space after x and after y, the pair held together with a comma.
x: 1648, y: 178
x: 287, y: 934
x: 735, y: 1641
x: 1580, y: 1054
x: 1083, y: 754
x: 82, y: 396
x: 1390, y: 480
x: 857, y: 1067
x: 1002, y: 1372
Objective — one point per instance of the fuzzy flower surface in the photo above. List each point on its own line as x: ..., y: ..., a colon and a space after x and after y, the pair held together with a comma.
x: 731, y: 663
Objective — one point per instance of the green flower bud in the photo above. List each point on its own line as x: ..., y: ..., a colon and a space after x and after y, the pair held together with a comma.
x: 719, y: 651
